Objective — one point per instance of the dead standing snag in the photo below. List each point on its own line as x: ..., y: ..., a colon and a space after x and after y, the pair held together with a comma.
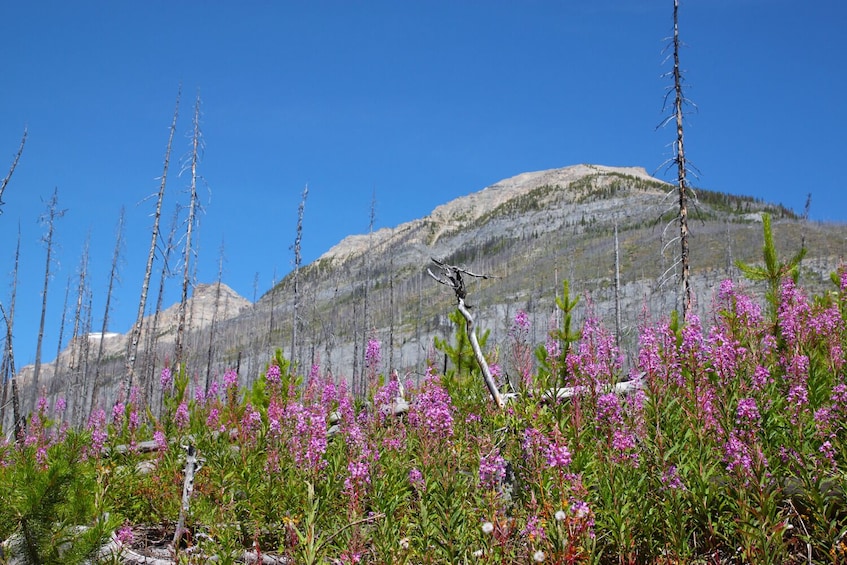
x: 452, y: 276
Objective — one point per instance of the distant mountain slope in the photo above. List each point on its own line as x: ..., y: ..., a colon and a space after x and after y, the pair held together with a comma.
x: 529, y: 232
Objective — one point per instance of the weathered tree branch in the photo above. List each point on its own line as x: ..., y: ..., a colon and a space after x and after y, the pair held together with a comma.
x: 192, y: 465
x: 452, y: 276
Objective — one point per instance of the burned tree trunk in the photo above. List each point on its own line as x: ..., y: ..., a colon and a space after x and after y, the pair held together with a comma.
x: 152, y: 335
x: 95, y: 391
x: 53, y: 213
x: 189, y: 231
x: 5, y: 182
x: 135, y: 333
x: 297, y: 259
x: 9, y: 367
x: 76, y: 390
x: 679, y: 159
x: 8, y: 371
x: 452, y: 276
x: 214, y: 324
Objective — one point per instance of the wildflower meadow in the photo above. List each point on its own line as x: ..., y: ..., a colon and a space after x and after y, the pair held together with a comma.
x: 727, y: 447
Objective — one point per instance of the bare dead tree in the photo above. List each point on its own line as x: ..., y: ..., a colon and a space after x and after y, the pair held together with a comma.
x: 214, y: 324
x: 53, y: 213
x: 366, y: 260
x: 295, y: 321
x: 75, y: 391
x: 55, y: 382
x: 85, y: 352
x: 358, y: 380
x: 196, y: 148
x: 273, y: 307
x: 8, y: 369
x: 452, y: 276
x: 113, y: 274
x: 617, y: 288
x: 135, y: 333
x: 5, y: 182
x: 391, y: 315
x: 153, y: 334
x: 679, y: 159
x: 253, y: 327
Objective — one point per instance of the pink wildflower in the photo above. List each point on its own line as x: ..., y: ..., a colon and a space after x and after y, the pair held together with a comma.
x: 181, y: 417
x: 166, y: 379
x: 492, y: 470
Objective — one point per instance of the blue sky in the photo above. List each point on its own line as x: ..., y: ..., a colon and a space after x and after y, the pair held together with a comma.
x: 416, y: 102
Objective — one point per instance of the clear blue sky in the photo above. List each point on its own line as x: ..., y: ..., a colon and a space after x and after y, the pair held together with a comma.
x: 418, y: 102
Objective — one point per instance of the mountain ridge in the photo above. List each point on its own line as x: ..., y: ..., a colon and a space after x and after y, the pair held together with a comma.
x: 529, y: 232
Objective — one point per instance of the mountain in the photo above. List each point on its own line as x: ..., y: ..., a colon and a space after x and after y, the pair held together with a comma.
x: 529, y: 233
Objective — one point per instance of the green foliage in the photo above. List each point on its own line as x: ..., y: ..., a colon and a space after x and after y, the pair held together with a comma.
x: 735, y: 450
x: 49, y: 514
x: 774, y: 271
x: 553, y: 371
x: 462, y: 364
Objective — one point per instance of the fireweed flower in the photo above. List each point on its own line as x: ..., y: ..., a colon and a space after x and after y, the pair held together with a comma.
x: 828, y: 452
x: 671, y: 479
x: 134, y: 421
x: 213, y: 420
x: 521, y: 324
x: 59, y: 407
x: 553, y: 348
x: 557, y: 455
x: 384, y: 399
x: 314, y: 373
x: 125, y: 535
x: 739, y: 457
x: 359, y: 476
x: 181, y: 417
x: 276, y: 414
x: 793, y: 313
x: 166, y: 379
x: 726, y: 354
x: 534, y: 530
x: 694, y: 350
x: 230, y: 380
x: 492, y: 470
x: 329, y: 393
x: 597, y: 358
x: 747, y: 413
x: 161, y: 440
x: 761, y: 377
x: 308, y: 440
x: 432, y: 410
x: 213, y: 391
x: 373, y: 354
x: 658, y: 355
x: 118, y: 411
x: 534, y: 442
x: 416, y: 479
x: 272, y: 375
x: 97, y: 427
x: 609, y: 413
x: 583, y: 521
x: 251, y: 421
x: 747, y: 312
x: 707, y: 409
x: 624, y: 444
